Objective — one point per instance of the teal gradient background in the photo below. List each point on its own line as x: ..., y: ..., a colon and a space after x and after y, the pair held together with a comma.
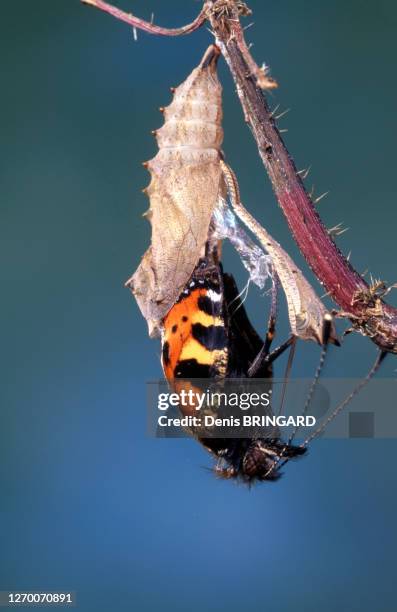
x: 88, y: 502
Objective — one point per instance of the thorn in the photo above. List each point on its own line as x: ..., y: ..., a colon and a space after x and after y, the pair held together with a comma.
x: 337, y: 230
x: 304, y: 173
x: 283, y: 131
x: 349, y: 255
x: 152, y: 18
x: 364, y: 274
x: 326, y: 294
x: 390, y: 289
x: 250, y: 46
x: 147, y: 214
x: 145, y: 164
x: 311, y: 194
x: 331, y: 230
x: 135, y: 34
x: 144, y: 190
x: 287, y: 110
x: 248, y: 26
x: 274, y: 111
x: 172, y: 89
x: 161, y: 109
x: 317, y: 200
x: 154, y: 132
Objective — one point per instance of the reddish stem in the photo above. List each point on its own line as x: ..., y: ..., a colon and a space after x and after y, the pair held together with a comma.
x: 140, y: 24
x: 368, y: 313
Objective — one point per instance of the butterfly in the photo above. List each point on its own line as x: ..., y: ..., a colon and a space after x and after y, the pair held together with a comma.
x: 207, y: 335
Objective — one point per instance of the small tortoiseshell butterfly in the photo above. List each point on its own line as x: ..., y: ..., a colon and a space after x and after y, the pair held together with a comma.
x: 207, y: 334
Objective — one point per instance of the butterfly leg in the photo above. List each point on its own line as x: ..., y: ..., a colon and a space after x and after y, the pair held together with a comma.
x: 267, y: 358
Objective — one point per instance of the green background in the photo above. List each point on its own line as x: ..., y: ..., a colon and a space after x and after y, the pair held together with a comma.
x: 88, y: 503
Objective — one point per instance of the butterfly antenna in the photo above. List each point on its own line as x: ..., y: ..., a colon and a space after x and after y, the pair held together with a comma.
x: 379, y: 359
x: 287, y: 374
x: 279, y: 463
x: 327, y: 330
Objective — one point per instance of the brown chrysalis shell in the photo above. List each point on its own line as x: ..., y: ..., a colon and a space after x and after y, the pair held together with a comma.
x: 184, y: 188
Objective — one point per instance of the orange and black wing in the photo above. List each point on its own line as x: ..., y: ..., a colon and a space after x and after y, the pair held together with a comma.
x: 195, y: 343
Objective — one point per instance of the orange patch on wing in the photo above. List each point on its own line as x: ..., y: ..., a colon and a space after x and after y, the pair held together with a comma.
x: 178, y: 331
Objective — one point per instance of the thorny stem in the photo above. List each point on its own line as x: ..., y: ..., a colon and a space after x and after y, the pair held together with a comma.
x: 369, y: 314
x: 140, y: 24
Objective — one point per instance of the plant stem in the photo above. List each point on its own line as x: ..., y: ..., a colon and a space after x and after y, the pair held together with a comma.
x: 140, y: 24
x: 369, y: 314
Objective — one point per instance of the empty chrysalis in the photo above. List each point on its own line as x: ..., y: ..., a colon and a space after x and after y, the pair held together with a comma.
x: 183, y: 192
x: 188, y: 190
